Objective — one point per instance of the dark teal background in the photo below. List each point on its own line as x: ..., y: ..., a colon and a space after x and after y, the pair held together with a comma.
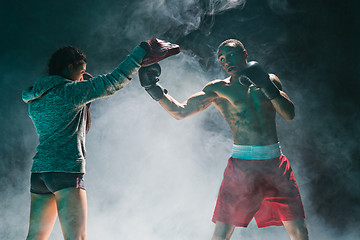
x: 313, y: 45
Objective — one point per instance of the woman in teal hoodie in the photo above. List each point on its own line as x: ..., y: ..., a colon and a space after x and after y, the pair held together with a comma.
x: 58, y: 108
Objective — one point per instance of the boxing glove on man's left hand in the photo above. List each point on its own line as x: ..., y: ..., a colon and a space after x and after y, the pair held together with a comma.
x: 148, y: 79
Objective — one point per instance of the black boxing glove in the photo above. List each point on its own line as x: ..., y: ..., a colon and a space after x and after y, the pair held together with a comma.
x: 148, y: 79
x: 260, y: 78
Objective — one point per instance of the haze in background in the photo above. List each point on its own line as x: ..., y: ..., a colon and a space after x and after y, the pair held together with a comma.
x: 150, y: 176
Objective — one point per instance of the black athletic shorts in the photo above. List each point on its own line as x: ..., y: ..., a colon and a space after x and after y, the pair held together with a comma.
x: 50, y: 182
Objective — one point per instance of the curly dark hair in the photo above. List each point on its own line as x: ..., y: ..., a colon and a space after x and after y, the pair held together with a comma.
x: 64, y: 56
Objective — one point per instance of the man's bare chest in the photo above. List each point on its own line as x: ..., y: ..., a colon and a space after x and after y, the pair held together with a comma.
x: 239, y: 100
x: 238, y: 95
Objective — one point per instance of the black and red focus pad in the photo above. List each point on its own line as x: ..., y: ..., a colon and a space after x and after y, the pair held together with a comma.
x: 159, y: 50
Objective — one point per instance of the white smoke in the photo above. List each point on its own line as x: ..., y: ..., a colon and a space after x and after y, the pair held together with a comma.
x: 186, y: 15
x: 155, y: 18
x: 149, y: 171
x: 150, y: 176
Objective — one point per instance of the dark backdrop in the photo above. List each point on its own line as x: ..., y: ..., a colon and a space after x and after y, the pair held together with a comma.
x: 311, y: 45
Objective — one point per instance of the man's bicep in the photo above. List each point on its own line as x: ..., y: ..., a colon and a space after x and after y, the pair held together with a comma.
x: 199, y: 101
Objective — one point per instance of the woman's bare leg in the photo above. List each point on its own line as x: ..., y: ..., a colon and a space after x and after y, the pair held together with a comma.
x: 72, y: 210
x: 42, y: 216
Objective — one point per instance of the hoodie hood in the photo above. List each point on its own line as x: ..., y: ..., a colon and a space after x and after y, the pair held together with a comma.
x: 41, y: 86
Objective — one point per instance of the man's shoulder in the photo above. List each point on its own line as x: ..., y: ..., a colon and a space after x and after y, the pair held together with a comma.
x: 215, y: 84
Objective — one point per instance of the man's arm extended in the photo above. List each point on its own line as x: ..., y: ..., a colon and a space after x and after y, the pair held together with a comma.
x: 194, y: 104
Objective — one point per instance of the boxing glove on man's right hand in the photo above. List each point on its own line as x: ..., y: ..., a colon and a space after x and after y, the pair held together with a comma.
x: 148, y: 79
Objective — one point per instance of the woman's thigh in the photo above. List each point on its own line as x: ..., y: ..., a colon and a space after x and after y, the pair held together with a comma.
x: 42, y: 216
x: 72, y: 210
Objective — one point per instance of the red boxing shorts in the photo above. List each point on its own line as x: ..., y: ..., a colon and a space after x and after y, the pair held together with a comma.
x: 265, y: 189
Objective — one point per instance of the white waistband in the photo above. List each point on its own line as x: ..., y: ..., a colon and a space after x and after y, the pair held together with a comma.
x: 250, y: 152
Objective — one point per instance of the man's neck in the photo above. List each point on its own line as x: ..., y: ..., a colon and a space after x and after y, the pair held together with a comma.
x: 234, y: 78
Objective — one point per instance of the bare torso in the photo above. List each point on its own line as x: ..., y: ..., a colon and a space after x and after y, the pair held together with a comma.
x: 250, y: 116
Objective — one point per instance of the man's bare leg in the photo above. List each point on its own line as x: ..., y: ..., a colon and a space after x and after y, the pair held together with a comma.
x: 72, y: 210
x: 42, y: 216
x: 297, y: 229
x: 223, y: 231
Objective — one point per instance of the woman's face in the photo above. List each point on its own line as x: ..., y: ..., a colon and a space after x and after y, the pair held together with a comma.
x: 76, y: 73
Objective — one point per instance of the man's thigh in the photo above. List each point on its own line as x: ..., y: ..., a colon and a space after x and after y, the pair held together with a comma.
x: 297, y: 229
x: 222, y: 231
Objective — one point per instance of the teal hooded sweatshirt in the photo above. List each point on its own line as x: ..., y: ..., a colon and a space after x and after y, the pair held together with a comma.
x: 57, y: 107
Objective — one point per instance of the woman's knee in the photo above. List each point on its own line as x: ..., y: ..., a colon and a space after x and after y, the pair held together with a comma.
x: 37, y: 236
x: 75, y: 236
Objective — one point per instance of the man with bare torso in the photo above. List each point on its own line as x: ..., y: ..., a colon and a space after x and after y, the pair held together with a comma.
x: 258, y: 180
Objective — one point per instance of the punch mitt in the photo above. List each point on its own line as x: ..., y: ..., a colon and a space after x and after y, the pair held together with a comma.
x: 157, y: 50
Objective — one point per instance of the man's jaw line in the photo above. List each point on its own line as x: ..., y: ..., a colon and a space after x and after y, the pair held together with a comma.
x: 231, y: 68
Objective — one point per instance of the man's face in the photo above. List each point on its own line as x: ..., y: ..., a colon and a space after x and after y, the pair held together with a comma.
x: 232, y: 59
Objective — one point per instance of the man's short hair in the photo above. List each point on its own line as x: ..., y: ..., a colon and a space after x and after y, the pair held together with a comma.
x: 237, y: 43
